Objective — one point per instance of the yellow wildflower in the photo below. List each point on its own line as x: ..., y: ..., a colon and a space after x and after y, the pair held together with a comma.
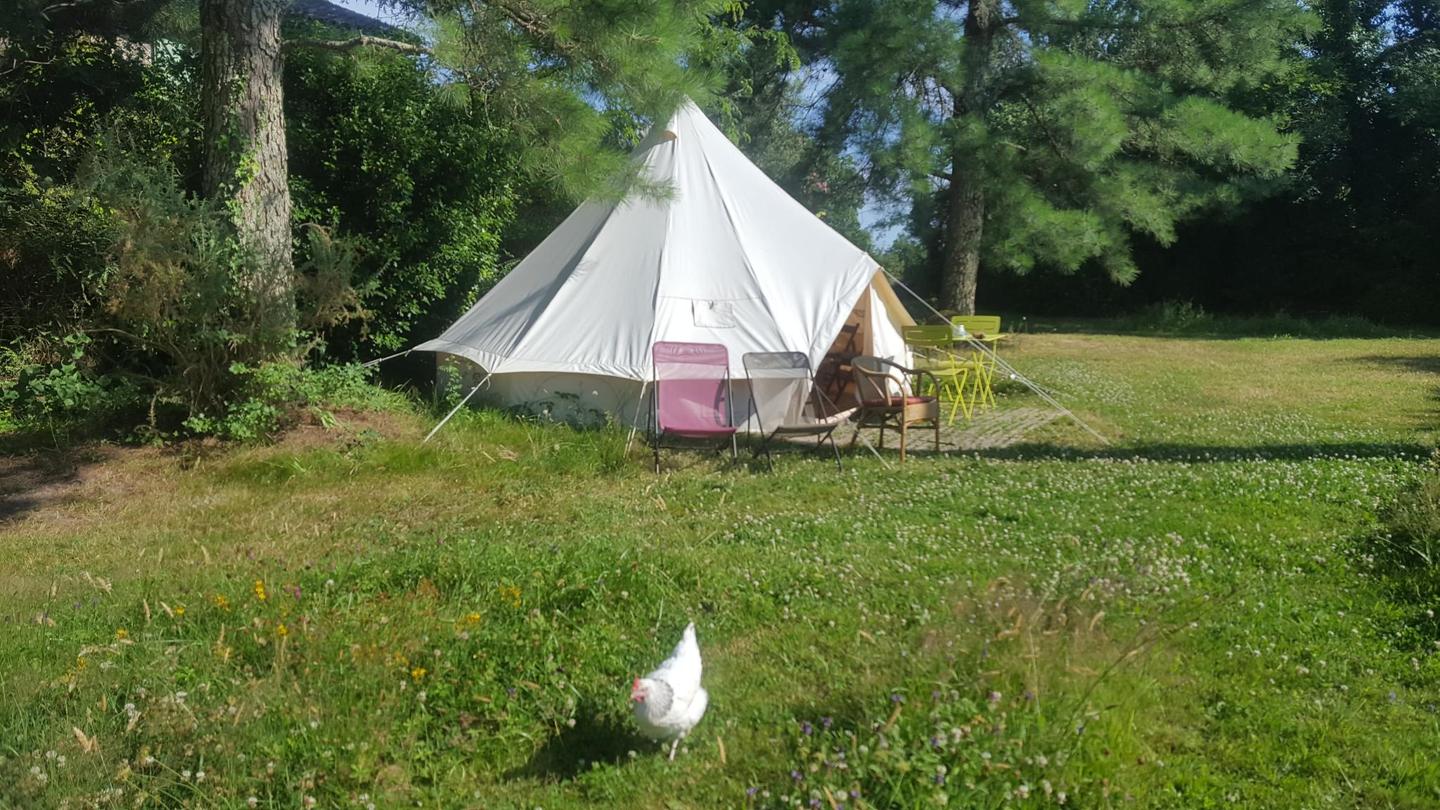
x: 179, y: 611
x: 281, y: 630
x: 417, y: 673
x: 510, y: 594
x: 80, y: 663
x: 472, y: 618
x: 220, y: 601
x: 260, y: 590
x: 121, y: 634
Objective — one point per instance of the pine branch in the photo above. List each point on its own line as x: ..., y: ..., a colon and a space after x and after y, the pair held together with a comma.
x: 536, y: 25
x: 362, y: 41
x: 1044, y: 128
x: 16, y: 64
x: 1092, y: 23
x: 45, y: 12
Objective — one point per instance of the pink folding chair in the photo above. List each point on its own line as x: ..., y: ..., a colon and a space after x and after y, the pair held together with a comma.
x: 692, y: 395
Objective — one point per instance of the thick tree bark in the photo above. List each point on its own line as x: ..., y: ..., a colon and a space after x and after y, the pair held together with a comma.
x: 965, y: 218
x: 245, y: 162
x: 964, y: 228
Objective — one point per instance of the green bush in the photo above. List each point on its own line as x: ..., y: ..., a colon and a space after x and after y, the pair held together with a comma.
x: 273, y: 396
x: 1190, y: 319
x: 54, y: 246
x: 66, y: 394
x: 434, y: 190
x: 164, y: 327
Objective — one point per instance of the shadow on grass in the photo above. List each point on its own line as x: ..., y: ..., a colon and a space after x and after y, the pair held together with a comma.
x: 1421, y: 363
x: 1234, y: 328
x: 565, y: 756
x: 36, y: 479
x: 1418, y: 364
x: 1207, y: 452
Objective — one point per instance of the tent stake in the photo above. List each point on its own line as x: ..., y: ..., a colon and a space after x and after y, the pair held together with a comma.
x: 1009, y: 369
x: 456, y: 409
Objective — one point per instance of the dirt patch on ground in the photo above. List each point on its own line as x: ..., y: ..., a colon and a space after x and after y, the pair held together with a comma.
x: 346, y: 425
x: 31, y: 482
x: 37, y: 485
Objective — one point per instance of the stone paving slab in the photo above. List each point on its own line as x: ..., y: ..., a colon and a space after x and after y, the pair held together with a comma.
x: 989, y: 430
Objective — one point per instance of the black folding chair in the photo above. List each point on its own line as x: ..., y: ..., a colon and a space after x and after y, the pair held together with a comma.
x: 786, y: 401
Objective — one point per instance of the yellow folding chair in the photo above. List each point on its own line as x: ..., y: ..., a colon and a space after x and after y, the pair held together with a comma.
x: 933, y: 346
x: 984, y: 329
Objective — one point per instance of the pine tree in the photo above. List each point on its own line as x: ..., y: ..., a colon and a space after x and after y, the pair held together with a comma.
x: 567, y: 78
x: 245, y: 155
x: 1051, y: 132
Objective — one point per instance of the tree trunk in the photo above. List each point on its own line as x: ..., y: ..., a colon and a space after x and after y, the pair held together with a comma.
x: 245, y: 162
x: 965, y: 219
x: 964, y: 228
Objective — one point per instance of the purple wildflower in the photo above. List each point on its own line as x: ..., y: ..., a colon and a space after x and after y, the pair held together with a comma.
x: 806, y: 728
x: 897, y: 698
x: 796, y: 775
x: 825, y: 723
x: 993, y: 697
x: 751, y: 791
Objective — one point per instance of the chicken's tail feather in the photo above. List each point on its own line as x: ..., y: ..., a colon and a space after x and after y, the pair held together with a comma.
x: 687, y: 645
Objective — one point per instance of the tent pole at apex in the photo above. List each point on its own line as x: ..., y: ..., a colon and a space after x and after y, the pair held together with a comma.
x: 1009, y: 369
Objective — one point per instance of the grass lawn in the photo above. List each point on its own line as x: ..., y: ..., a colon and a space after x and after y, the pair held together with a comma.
x: 1192, y: 617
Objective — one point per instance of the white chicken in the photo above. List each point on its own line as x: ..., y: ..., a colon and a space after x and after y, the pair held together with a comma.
x: 670, y: 701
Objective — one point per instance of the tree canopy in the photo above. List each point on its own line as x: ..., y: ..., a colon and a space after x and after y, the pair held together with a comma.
x: 1048, y: 133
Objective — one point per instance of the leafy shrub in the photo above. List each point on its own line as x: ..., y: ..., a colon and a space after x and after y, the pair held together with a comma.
x: 67, y: 393
x: 438, y: 187
x: 167, y: 316
x: 1176, y: 316
x: 274, y: 396
x: 1188, y: 318
x: 54, y: 245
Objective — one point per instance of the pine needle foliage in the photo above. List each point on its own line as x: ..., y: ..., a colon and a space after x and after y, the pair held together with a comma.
x: 567, y: 78
x: 1084, y: 122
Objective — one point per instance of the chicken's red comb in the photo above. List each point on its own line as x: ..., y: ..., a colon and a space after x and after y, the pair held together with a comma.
x: 636, y: 685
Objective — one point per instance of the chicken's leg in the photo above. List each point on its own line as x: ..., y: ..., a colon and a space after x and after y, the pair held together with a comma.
x: 673, y: 746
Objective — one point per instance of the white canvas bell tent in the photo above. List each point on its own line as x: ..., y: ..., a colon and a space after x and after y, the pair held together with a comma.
x: 724, y: 257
